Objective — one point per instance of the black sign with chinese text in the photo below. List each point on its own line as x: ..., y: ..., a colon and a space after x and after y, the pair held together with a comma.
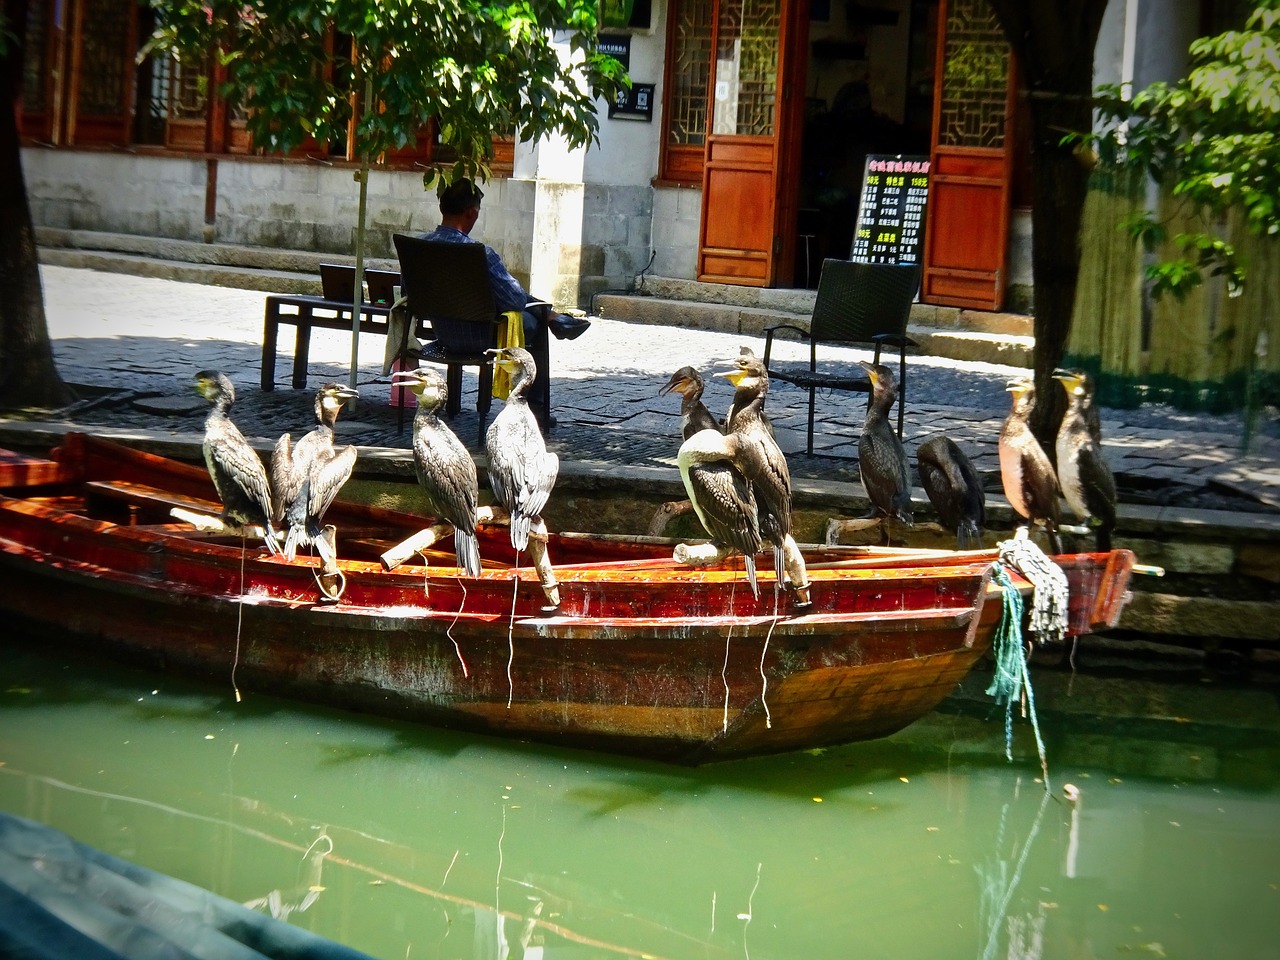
x: 890, y: 226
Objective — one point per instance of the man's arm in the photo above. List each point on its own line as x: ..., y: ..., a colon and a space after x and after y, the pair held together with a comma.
x: 507, y: 292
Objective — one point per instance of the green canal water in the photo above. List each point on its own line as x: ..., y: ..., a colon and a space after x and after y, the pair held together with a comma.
x: 412, y: 843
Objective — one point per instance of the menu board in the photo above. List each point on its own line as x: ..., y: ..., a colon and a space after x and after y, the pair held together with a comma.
x: 890, y: 226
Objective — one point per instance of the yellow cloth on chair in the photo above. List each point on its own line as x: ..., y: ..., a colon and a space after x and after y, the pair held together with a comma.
x: 512, y: 335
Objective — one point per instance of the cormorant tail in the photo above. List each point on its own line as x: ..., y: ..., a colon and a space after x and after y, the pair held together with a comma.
x: 520, y: 525
x: 749, y: 563
x: 467, y: 548
x: 296, y: 538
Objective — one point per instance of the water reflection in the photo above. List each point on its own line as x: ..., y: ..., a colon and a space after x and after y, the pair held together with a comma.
x: 402, y: 841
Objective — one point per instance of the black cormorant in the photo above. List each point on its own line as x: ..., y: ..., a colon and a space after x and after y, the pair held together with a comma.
x: 882, y: 461
x: 1030, y: 484
x: 445, y: 469
x: 694, y: 415
x: 521, y: 469
x: 758, y: 454
x: 721, y: 495
x: 954, y: 489
x: 237, y: 470
x: 1085, y: 478
x: 306, y: 479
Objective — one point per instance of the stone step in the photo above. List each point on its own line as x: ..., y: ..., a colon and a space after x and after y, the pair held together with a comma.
x: 940, y: 331
x: 218, y: 264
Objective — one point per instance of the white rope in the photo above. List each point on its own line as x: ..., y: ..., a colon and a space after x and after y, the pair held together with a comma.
x: 1049, y: 610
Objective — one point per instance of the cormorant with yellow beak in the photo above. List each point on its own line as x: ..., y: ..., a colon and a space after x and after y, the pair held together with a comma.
x: 235, y: 467
x: 694, y: 415
x: 446, y: 471
x: 306, y: 479
x: 1086, y: 480
x: 1029, y: 482
x: 882, y: 461
x: 522, y: 471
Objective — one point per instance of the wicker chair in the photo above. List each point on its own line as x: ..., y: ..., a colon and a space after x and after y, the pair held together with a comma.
x: 447, y: 285
x: 865, y: 304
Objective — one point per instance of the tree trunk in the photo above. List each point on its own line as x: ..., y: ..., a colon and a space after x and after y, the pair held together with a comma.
x: 1054, y: 41
x: 28, y: 376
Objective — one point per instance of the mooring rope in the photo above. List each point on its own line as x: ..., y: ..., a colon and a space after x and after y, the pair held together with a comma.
x: 1012, y: 681
x: 1049, y: 607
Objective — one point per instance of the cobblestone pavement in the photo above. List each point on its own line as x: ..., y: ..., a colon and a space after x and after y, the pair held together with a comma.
x: 136, y: 342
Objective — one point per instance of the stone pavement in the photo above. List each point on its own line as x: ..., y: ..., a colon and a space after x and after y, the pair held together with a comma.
x: 137, y: 341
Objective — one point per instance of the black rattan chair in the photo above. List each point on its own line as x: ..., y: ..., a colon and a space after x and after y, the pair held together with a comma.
x: 447, y: 285
x: 865, y: 304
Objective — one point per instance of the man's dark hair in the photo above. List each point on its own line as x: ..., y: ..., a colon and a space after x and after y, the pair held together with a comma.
x: 459, y: 197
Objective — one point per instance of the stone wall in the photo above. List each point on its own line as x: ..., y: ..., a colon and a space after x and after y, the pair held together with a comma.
x: 565, y: 241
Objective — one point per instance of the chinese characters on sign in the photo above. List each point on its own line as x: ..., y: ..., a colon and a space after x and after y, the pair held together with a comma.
x: 890, y: 226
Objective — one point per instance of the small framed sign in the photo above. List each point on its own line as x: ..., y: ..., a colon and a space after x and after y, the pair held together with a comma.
x: 633, y: 104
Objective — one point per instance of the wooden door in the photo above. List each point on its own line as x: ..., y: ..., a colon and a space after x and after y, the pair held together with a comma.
x: 972, y: 160
x: 748, y: 200
x: 100, y: 104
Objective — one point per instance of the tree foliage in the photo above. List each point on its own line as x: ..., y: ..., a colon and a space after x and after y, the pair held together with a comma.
x: 300, y: 69
x: 1213, y: 139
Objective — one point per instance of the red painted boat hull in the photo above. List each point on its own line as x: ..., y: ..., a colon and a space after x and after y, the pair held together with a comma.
x: 641, y: 657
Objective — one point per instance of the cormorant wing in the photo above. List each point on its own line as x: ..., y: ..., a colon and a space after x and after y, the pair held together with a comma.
x: 244, y: 468
x: 448, y: 476
x: 328, y: 474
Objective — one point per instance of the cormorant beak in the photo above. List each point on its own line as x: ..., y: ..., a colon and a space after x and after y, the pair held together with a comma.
x: 871, y: 371
x: 677, y: 383
x: 1017, y: 387
x: 1070, y: 380
x: 734, y: 376
x: 347, y: 393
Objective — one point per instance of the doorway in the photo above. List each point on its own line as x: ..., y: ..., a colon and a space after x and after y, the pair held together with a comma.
x: 869, y: 89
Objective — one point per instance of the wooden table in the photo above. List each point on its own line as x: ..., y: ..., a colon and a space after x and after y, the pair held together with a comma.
x: 306, y: 312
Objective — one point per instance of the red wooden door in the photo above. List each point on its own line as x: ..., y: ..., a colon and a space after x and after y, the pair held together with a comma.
x: 748, y: 203
x: 968, y: 219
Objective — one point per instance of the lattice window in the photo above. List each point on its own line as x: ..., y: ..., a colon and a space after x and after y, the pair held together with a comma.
x: 690, y: 72
x: 975, y: 79
x: 747, y: 67
x: 105, y: 45
x: 188, y: 92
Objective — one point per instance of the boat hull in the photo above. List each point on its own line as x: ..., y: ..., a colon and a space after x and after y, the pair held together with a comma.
x: 640, y: 657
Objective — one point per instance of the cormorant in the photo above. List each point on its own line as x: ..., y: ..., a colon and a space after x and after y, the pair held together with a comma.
x: 758, y: 454
x: 954, y: 489
x: 445, y: 469
x: 1086, y: 480
x: 237, y: 470
x: 694, y: 415
x: 521, y: 469
x: 1025, y: 471
x: 306, y: 479
x: 721, y: 495
x: 882, y: 461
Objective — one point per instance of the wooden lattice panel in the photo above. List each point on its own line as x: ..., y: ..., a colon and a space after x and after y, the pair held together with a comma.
x: 975, y: 79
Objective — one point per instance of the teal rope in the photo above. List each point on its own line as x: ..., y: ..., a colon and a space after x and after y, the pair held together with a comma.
x: 1012, y: 676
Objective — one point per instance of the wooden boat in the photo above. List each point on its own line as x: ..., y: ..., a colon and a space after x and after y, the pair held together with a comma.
x: 641, y: 656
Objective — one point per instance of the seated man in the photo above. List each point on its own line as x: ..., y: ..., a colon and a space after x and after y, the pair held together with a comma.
x: 459, y: 210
